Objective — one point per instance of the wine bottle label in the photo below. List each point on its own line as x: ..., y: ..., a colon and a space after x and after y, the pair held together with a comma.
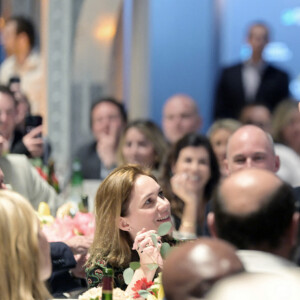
x: 107, y: 283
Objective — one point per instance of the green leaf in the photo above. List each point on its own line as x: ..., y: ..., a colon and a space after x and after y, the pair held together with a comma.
x: 164, y: 250
x: 134, y: 265
x: 164, y: 228
x: 152, y: 266
x: 154, y: 239
x: 144, y: 294
x: 128, y: 274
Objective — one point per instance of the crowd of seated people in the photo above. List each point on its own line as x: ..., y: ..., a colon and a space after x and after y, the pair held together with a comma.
x: 223, y: 180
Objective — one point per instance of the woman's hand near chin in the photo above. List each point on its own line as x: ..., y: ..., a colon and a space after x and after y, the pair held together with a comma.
x: 180, y: 189
x: 148, y: 252
x: 191, y: 201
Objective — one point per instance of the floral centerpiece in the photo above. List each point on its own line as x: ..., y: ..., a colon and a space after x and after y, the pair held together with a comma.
x: 64, y: 226
x: 96, y: 294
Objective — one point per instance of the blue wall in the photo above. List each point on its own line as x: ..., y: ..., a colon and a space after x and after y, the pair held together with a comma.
x: 190, y: 40
x: 182, y: 56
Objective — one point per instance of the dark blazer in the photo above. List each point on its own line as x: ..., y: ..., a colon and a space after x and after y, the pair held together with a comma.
x: 61, y: 280
x: 90, y: 161
x: 230, y: 95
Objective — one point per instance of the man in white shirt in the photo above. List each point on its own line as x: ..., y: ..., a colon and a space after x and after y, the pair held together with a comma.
x: 23, y: 62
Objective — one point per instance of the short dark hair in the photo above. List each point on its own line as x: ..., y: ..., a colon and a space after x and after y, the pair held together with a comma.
x: 264, y: 227
x: 259, y: 23
x: 113, y: 101
x: 5, y: 90
x: 24, y: 25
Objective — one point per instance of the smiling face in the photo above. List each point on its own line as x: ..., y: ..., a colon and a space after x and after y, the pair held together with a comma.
x: 148, y: 208
x: 137, y: 149
x: 250, y: 147
x: 195, y: 163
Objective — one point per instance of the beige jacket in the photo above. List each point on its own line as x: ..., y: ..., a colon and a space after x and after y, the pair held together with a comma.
x: 24, y: 179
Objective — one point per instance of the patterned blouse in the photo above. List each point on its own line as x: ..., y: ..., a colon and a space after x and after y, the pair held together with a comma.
x: 94, y: 273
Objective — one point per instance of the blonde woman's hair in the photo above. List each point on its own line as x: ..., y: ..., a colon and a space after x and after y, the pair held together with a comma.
x: 112, y: 200
x: 20, y: 254
x: 228, y: 124
x: 281, y: 118
x: 153, y: 134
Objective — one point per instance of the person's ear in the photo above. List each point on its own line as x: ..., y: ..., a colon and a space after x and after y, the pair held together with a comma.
x: 212, y: 224
x: 277, y: 163
x: 123, y: 224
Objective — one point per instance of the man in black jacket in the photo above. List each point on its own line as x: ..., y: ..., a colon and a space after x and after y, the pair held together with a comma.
x: 254, y: 80
x: 68, y: 259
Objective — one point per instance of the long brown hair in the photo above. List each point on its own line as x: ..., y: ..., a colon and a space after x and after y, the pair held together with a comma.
x: 112, y: 200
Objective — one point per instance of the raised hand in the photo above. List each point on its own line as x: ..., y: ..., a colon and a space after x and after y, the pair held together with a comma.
x: 180, y: 188
x: 148, y: 252
x: 33, y: 142
x: 107, y: 145
x: 79, y: 244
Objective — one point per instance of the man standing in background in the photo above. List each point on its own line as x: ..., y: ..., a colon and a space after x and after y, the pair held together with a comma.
x: 18, y: 41
x: 254, y: 80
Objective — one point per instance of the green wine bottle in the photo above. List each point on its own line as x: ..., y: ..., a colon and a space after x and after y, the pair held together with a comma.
x: 107, y: 284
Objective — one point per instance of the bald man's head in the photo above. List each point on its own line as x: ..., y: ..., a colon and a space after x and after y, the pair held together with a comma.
x: 251, y: 147
x: 254, y: 209
x: 180, y: 116
x: 192, y: 268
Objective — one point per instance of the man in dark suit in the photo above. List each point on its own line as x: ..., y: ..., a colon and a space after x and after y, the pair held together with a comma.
x: 251, y: 81
x: 98, y: 158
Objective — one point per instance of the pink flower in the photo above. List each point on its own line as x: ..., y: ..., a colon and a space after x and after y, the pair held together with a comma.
x: 64, y: 228
x: 84, y: 223
x: 59, y: 230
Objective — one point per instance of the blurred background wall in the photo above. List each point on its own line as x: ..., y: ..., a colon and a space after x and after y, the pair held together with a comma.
x: 142, y: 52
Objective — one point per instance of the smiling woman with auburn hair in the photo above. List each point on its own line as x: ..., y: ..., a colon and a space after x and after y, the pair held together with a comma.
x: 129, y: 208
